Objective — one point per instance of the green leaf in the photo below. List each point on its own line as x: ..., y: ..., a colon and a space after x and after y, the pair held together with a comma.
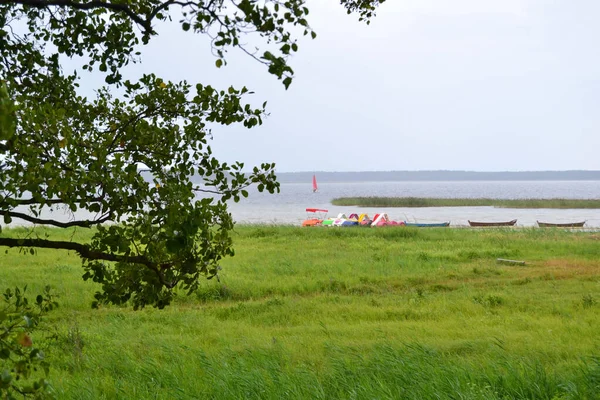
x: 5, y: 377
x: 287, y: 82
x: 4, y: 353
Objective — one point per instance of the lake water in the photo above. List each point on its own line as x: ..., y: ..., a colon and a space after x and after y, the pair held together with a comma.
x: 288, y: 207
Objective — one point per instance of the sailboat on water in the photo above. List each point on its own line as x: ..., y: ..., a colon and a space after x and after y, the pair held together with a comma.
x: 315, y: 187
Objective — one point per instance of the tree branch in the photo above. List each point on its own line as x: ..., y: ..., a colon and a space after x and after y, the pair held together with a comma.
x: 32, y: 201
x: 29, y: 218
x: 146, y: 24
x: 86, y: 252
x: 43, y: 202
x: 197, y: 189
x: 168, y: 3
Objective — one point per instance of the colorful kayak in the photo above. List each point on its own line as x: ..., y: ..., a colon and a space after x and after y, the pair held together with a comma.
x: 384, y: 220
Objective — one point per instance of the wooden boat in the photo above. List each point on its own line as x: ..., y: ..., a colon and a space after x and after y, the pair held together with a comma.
x: 507, y: 223
x: 560, y: 225
x: 427, y: 225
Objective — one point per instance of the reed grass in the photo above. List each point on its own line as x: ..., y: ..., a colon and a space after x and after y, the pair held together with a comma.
x: 466, y: 202
x: 340, y: 314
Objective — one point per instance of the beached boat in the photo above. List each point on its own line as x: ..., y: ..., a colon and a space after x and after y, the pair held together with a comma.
x: 340, y: 220
x: 427, y: 225
x: 343, y: 220
x: 384, y: 220
x: 315, y: 217
x: 364, y: 220
x: 560, y: 225
x: 507, y: 223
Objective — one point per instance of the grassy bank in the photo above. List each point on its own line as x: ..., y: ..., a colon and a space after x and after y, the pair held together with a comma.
x: 435, y: 202
x: 341, y: 313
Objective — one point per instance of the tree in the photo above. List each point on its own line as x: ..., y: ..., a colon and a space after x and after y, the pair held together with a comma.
x: 59, y: 148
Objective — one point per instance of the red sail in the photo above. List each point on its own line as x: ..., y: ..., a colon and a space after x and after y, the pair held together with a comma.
x: 315, y: 188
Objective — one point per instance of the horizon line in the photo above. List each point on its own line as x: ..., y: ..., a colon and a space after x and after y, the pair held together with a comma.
x: 437, y: 170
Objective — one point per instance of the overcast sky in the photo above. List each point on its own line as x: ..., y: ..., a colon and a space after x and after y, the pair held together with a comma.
x: 431, y: 84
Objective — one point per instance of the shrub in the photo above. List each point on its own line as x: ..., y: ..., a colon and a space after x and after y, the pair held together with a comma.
x: 23, y: 368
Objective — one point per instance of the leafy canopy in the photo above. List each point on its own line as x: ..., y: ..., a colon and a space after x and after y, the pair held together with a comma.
x: 61, y: 149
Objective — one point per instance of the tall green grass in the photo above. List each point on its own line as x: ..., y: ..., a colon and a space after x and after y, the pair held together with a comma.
x: 339, y: 314
x: 455, y: 202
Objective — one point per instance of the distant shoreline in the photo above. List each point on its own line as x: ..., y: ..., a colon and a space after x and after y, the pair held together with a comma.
x: 392, y: 176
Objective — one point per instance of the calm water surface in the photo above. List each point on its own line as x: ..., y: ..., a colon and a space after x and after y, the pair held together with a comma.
x: 288, y: 206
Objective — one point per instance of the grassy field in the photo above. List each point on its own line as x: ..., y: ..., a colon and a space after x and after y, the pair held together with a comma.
x: 310, y: 313
x: 434, y: 202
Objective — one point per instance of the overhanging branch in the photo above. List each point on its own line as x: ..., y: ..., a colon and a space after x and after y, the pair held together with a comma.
x: 84, y: 223
x: 198, y: 189
x: 32, y: 201
x: 86, y: 252
x: 123, y: 8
